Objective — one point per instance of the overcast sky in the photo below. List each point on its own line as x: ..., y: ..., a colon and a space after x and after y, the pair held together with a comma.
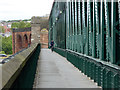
x: 24, y: 9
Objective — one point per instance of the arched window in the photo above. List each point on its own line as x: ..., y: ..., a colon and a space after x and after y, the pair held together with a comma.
x: 30, y: 39
x: 19, y: 42
x: 25, y: 41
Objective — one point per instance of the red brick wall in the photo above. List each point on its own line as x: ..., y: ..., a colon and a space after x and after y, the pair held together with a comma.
x: 16, y: 43
x: 44, y: 40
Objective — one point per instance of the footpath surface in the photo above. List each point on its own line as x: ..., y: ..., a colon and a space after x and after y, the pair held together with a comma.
x: 54, y: 71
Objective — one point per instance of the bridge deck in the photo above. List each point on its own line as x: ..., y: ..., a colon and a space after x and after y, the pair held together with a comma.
x: 54, y: 71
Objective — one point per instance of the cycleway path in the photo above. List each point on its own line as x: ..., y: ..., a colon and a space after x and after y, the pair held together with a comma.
x: 54, y: 71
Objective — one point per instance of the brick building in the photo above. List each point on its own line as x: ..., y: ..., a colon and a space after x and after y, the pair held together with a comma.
x: 21, y: 38
x: 39, y: 29
x: 44, y: 38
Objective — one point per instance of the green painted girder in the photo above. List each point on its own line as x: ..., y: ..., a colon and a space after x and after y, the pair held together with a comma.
x: 76, y: 21
x: 94, y: 31
x: 108, y: 30
x: 73, y: 26
x: 113, y: 32
x: 102, y: 25
x: 83, y: 28
x: 79, y: 26
x: 97, y: 37
x: 70, y: 25
x: 90, y: 28
x: 67, y: 26
x: 98, y: 34
x: 87, y: 34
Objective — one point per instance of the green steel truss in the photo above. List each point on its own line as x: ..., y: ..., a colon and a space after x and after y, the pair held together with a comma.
x: 90, y: 28
x: 88, y: 35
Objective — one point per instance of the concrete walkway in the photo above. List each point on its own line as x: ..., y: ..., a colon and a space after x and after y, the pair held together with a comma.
x: 54, y: 71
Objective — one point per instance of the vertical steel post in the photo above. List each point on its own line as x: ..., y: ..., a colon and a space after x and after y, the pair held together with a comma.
x: 67, y: 25
x: 83, y: 25
x: 102, y: 25
x: 75, y: 25
x: 70, y: 32
x: 79, y: 27
x: 87, y: 36
x: 98, y: 39
x: 90, y: 27
x: 94, y: 31
x: 113, y: 32
x: 73, y: 31
x: 108, y: 39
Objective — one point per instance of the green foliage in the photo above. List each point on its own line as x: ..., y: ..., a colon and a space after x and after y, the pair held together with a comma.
x: 14, y: 25
x: 7, y: 44
x: 27, y: 20
x: 18, y: 20
x: 2, y: 52
x: 21, y: 24
x: 0, y: 43
x: 13, y: 21
x: 27, y: 24
x: 44, y: 30
x: 2, y: 29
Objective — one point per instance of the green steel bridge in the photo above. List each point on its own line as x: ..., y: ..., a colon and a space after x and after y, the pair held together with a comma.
x: 86, y: 52
x: 87, y: 33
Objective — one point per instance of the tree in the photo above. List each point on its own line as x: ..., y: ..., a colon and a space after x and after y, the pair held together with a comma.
x: 20, y: 24
x: 7, y: 44
x: 14, y: 25
x: 2, y: 52
x: 28, y: 25
x: 0, y: 43
x: 2, y: 29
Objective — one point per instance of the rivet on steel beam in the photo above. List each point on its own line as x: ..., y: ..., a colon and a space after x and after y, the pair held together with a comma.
x: 56, y: 19
x: 60, y: 11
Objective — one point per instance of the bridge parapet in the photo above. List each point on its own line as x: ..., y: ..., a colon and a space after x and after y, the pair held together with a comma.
x: 23, y: 65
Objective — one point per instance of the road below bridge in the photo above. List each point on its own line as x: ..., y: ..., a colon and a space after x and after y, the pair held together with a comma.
x: 54, y: 71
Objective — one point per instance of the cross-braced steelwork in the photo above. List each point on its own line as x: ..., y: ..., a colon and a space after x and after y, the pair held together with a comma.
x: 88, y: 35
